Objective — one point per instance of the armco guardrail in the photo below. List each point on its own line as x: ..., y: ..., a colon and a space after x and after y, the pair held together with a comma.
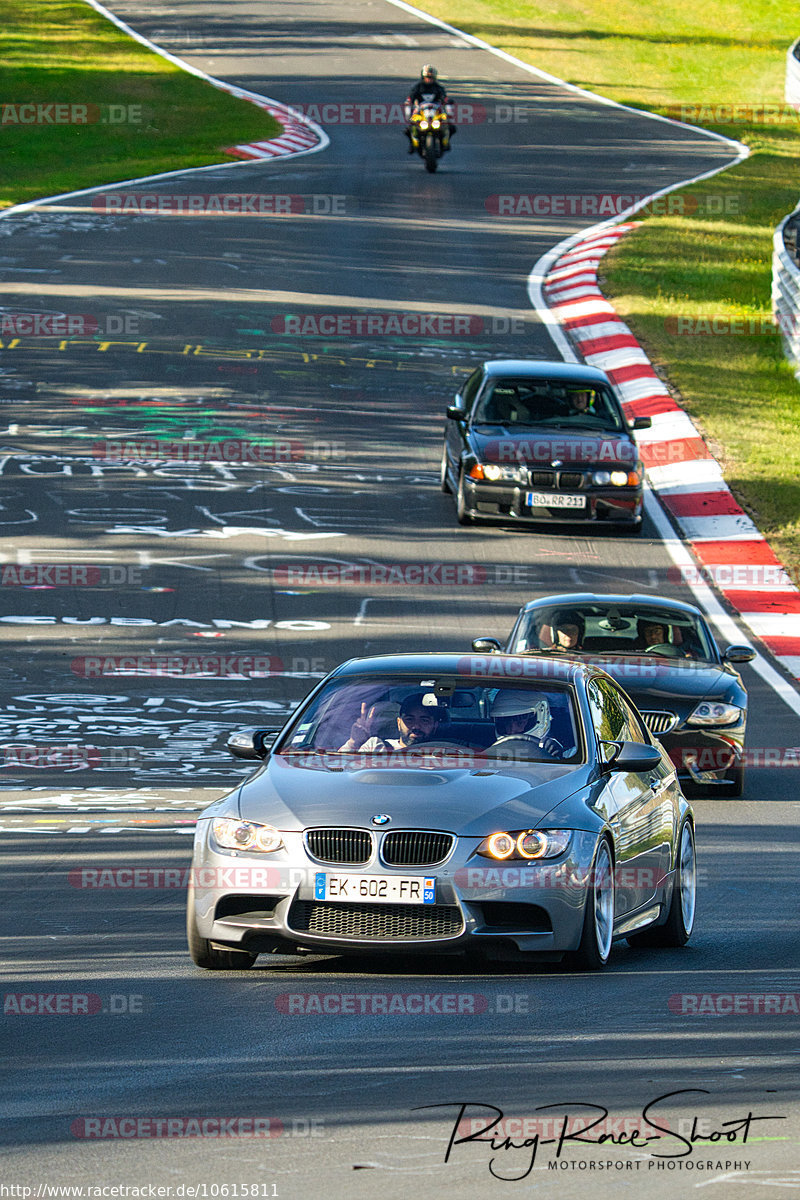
x: 792, y: 85
x: 786, y: 243
x: 786, y: 285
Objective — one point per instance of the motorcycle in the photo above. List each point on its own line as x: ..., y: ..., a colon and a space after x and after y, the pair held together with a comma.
x: 430, y: 133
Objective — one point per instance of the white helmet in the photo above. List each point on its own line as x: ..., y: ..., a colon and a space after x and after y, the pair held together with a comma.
x: 516, y: 702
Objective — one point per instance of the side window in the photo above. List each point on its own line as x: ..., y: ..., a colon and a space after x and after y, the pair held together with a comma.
x: 601, y: 719
x: 631, y: 729
x: 470, y: 389
x: 612, y: 715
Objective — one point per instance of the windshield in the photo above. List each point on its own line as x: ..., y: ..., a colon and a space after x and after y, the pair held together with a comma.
x: 460, y: 716
x: 615, y: 629
x: 527, y: 403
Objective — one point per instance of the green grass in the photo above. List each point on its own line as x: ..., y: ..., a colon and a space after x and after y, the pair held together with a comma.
x: 739, y: 389
x: 63, y: 52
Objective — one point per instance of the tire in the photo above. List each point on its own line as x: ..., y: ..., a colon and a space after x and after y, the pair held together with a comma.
x: 431, y: 153
x: 443, y: 480
x: 462, y: 515
x: 598, y: 923
x: 677, y: 928
x: 207, y: 956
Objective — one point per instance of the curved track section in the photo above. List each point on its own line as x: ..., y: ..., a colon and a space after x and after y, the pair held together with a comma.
x: 220, y: 480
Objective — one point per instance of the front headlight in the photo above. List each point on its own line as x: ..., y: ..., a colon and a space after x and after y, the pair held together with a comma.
x: 616, y: 478
x: 529, y: 843
x: 711, y: 712
x: 494, y: 472
x: 232, y: 834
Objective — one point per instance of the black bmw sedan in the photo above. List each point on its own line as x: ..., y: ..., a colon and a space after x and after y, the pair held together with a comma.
x: 662, y: 652
x: 529, y: 440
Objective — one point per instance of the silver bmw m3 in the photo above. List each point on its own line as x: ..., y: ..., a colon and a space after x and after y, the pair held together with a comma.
x: 500, y: 805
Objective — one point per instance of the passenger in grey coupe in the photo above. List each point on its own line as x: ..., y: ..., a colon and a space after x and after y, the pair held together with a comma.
x: 416, y: 722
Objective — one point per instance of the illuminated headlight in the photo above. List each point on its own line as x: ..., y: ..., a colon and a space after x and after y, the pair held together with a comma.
x: 231, y: 834
x: 423, y: 124
x: 530, y: 843
x: 493, y: 472
x: 436, y: 124
x: 710, y: 712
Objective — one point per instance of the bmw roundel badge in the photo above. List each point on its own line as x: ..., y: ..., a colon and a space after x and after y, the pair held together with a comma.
x: 381, y: 819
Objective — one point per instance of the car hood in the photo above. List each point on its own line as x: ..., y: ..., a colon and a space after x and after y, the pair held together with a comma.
x: 295, y: 792
x: 544, y: 445
x: 654, y: 682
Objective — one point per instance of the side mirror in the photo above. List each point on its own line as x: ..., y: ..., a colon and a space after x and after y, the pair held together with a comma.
x: 456, y: 413
x: 633, y: 756
x: 739, y: 654
x: 486, y: 645
x: 250, y: 743
x: 642, y: 423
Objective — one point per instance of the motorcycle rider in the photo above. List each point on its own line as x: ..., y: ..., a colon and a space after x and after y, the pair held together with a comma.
x: 428, y: 90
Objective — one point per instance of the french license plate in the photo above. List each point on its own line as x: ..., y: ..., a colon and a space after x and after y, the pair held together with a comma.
x: 554, y: 500
x: 375, y: 889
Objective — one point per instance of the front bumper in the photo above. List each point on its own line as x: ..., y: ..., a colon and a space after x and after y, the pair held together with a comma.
x: 616, y: 505
x: 243, y: 902
x: 706, y: 756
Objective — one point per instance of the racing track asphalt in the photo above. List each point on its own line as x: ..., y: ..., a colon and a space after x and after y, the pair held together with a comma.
x: 186, y: 349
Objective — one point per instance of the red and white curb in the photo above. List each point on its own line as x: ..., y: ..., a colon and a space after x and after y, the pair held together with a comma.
x: 729, y: 550
x: 299, y: 134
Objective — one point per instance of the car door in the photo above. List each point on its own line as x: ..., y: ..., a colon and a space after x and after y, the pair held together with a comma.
x: 639, y: 805
x: 455, y: 433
